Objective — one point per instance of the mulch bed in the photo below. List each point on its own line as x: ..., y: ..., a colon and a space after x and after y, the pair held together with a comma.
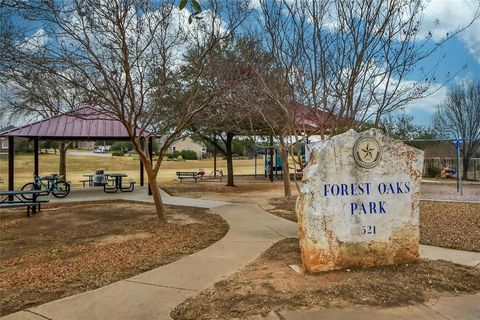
x: 445, y: 224
x: 71, y: 248
x: 453, y: 225
x: 269, y: 284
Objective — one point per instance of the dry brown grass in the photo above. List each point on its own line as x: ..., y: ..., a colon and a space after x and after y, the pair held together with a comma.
x: 269, y: 284
x: 71, y: 248
x: 78, y: 165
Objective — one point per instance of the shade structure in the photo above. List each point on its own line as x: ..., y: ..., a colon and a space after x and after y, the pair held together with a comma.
x: 85, y: 123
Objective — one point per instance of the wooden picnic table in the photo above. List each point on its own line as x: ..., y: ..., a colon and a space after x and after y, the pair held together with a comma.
x: 15, y: 198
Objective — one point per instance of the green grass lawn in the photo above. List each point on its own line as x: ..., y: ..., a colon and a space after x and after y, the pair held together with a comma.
x: 78, y: 165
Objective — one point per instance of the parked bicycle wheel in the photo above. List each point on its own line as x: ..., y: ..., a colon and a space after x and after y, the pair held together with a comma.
x: 26, y: 187
x: 61, y: 189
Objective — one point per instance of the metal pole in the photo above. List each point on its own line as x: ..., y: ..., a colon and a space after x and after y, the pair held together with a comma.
x: 11, y: 165
x: 255, y: 150
x: 35, y: 157
x: 142, y: 178
x: 215, y: 156
x: 270, y: 175
x: 276, y: 164
x: 458, y: 165
x: 150, y: 155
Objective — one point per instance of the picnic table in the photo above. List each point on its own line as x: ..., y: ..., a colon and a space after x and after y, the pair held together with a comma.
x: 117, y: 182
x: 15, y: 198
x: 89, y: 180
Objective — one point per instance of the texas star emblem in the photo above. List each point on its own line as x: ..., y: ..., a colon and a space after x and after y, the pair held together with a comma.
x: 366, y: 152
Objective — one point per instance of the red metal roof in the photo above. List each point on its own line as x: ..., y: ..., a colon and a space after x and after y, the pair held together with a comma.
x: 310, y: 120
x: 82, y: 124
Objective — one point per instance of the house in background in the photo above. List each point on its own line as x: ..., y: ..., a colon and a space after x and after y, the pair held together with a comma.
x: 188, y: 144
x: 4, y: 141
x: 84, y: 145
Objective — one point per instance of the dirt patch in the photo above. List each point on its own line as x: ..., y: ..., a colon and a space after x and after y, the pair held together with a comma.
x: 453, y: 225
x: 71, y: 248
x: 270, y: 284
x: 246, y: 190
x: 284, y: 208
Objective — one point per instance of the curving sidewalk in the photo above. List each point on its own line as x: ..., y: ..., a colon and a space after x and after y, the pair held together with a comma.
x: 153, y: 294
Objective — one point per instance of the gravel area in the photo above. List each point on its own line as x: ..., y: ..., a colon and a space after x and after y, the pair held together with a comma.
x: 447, y: 224
x: 453, y: 225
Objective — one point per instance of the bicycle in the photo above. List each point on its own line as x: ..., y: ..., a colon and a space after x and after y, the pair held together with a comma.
x: 53, y: 184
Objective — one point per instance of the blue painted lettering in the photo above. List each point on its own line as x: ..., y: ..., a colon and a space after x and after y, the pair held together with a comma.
x: 367, y: 208
x: 381, y: 207
x: 353, y: 207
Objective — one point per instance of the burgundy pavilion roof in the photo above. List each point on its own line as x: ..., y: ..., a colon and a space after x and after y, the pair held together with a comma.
x: 82, y: 124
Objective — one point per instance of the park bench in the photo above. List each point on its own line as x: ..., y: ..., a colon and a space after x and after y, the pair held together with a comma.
x: 187, y: 175
x: 11, y: 199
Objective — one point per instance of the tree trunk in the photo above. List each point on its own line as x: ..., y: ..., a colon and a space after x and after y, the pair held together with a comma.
x: 152, y: 178
x: 229, y: 156
x: 157, y: 198
x: 285, y: 173
x: 62, y: 165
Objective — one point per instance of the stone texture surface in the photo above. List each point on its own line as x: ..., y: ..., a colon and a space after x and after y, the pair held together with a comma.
x: 353, y: 216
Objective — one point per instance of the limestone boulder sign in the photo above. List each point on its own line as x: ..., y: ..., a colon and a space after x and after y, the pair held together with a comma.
x: 359, y: 203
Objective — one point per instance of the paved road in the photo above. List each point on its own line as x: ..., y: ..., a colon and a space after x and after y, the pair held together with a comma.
x: 88, y: 154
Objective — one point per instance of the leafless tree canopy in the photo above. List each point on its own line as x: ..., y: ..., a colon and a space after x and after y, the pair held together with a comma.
x: 459, y: 117
x: 352, y: 59
x: 127, y: 57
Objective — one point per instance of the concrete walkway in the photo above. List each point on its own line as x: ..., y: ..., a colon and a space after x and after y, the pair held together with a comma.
x: 446, y: 308
x: 153, y: 294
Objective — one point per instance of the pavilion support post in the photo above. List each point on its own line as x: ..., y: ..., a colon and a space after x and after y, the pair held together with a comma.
x: 11, y: 165
x: 150, y: 155
x: 215, y: 157
x: 142, y: 179
x: 256, y: 163
x: 35, y: 157
x: 270, y: 175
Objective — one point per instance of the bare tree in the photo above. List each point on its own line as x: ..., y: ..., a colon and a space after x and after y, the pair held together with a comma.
x: 129, y: 56
x: 36, y: 95
x: 348, y: 61
x: 352, y: 59
x: 234, y: 61
x: 459, y: 117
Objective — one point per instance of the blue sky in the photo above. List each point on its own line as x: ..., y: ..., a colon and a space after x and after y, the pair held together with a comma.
x: 461, y: 50
x: 441, y: 17
x: 461, y: 54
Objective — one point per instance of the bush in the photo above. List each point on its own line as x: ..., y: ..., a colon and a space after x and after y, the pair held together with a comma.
x: 433, y: 171
x: 179, y: 158
x: 23, y: 145
x: 118, y: 154
x: 122, y: 146
x: 189, y: 154
x: 173, y: 155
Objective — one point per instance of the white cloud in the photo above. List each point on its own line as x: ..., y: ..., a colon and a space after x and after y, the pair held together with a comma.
x: 447, y: 16
x: 429, y: 103
x: 34, y: 41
